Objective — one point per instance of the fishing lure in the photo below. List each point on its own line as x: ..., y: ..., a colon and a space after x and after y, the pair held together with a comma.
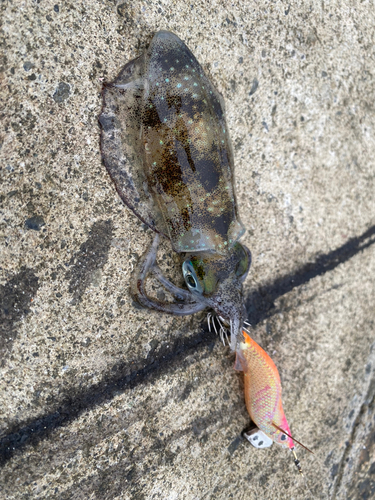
x: 263, y: 394
x: 166, y: 146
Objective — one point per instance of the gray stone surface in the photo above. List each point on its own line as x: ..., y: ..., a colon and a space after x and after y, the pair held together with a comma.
x: 103, y: 400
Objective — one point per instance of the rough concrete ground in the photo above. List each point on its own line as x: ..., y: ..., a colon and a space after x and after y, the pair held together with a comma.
x: 103, y: 400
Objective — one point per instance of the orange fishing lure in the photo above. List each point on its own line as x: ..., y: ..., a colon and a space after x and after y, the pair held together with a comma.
x: 263, y: 394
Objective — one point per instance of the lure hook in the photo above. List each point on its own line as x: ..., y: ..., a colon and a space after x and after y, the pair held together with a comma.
x: 293, y: 450
x: 296, y: 461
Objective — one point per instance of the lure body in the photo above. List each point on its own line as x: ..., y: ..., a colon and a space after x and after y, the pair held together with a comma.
x: 263, y: 391
x: 165, y: 145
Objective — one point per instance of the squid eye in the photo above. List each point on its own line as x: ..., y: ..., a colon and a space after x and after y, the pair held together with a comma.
x: 244, y: 262
x: 191, y: 278
x: 190, y: 281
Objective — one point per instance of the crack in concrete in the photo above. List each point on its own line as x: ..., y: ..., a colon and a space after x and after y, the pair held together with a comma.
x: 368, y: 400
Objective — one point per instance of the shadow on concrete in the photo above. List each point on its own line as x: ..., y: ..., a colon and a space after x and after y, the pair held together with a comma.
x: 260, y: 305
x: 15, y: 301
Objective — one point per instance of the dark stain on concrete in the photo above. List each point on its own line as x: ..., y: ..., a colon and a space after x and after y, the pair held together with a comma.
x: 235, y: 444
x: 125, y: 376
x: 91, y: 257
x: 363, y: 490
x: 15, y: 299
x: 36, y: 222
x: 254, y: 87
x: 62, y: 92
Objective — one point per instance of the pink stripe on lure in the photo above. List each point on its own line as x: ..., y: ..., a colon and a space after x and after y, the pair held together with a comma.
x: 263, y: 393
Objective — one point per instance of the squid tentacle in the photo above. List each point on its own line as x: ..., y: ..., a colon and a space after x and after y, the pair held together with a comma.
x: 179, y: 293
x: 139, y: 293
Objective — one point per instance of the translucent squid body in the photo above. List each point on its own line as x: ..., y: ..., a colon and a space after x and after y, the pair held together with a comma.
x: 166, y: 146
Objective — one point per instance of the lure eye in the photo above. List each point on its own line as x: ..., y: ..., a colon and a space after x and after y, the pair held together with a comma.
x: 191, y: 278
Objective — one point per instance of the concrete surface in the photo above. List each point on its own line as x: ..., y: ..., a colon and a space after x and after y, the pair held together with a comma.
x: 103, y: 400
